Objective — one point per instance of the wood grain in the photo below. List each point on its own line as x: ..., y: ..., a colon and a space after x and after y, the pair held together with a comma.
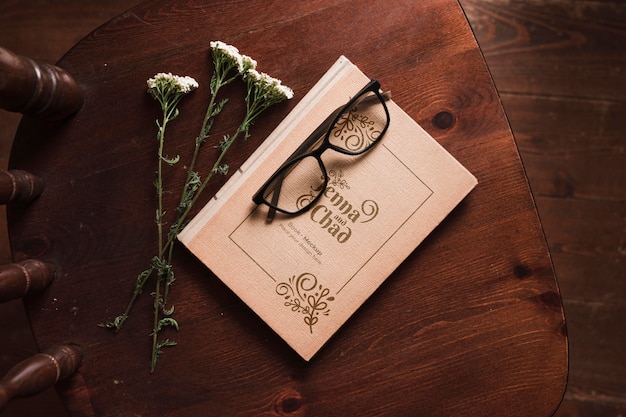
x: 585, y: 241
x: 562, y: 149
x: 42, y: 30
x: 553, y: 47
x: 485, y: 338
x: 557, y: 65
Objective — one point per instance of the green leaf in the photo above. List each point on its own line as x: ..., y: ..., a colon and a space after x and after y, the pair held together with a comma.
x: 219, y: 107
x: 156, y: 354
x: 167, y: 321
x: 171, y: 161
x: 166, y: 343
x: 141, y: 279
x: 116, y: 323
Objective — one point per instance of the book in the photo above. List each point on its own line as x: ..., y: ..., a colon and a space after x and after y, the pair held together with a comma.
x: 306, y: 274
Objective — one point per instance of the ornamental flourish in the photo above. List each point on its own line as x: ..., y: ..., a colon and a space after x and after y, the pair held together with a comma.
x: 303, y: 295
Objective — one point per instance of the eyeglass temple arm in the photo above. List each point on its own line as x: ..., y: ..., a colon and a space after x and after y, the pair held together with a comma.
x: 306, y: 145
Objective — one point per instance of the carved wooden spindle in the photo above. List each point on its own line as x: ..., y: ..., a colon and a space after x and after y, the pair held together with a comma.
x: 19, y: 186
x: 29, y: 276
x: 39, y: 372
x: 37, y: 88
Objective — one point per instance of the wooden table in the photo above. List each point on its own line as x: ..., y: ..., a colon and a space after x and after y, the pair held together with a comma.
x: 471, y: 324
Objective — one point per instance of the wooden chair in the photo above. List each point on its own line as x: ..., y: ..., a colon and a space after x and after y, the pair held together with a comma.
x: 471, y: 324
x: 48, y: 92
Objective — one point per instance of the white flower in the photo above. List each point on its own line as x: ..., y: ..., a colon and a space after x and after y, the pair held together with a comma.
x: 229, y: 50
x: 169, y: 89
x: 285, y: 91
x: 168, y: 81
x: 269, y: 87
x: 242, y: 63
x: 186, y: 84
x: 247, y: 63
x: 229, y: 53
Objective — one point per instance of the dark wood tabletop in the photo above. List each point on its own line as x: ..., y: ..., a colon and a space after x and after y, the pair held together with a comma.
x: 470, y: 324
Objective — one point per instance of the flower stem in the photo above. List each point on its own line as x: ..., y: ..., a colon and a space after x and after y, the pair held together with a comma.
x: 141, y: 280
x: 168, y: 90
x: 183, y: 216
x: 155, y: 335
x: 159, y: 183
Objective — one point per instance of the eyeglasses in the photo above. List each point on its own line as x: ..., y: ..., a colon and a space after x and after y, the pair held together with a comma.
x: 350, y: 130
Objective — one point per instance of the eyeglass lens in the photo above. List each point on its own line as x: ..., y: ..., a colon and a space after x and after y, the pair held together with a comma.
x: 360, y: 126
x: 301, y: 181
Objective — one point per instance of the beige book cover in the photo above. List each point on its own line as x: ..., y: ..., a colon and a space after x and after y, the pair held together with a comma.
x: 306, y: 274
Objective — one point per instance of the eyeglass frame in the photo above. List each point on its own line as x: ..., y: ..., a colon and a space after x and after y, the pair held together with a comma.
x: 300, y: 154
